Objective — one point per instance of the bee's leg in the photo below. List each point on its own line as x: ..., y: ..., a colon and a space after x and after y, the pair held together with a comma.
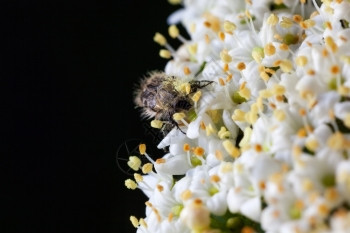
x: 177, y: 126
x: 206, y: 83
x: 199, y: 84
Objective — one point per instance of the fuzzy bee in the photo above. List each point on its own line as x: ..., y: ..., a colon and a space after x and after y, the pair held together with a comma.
x: 160, y: 96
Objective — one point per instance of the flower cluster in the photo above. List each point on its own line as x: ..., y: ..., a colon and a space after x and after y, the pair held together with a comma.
x: 268, y: 149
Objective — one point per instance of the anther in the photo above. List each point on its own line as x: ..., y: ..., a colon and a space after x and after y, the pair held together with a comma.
x: 134, y: 221
x: 231, y: 149
x: 142, y: 149
x: 269, y: 49
x: 164, y: 53
x: 157, y: 124
x: 229, y: 27
x: 130, y: 184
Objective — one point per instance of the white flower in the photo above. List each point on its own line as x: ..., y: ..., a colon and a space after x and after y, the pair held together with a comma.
x: 270, y: 138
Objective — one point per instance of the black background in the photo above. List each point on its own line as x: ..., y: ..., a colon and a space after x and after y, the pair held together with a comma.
x: 67, y: 73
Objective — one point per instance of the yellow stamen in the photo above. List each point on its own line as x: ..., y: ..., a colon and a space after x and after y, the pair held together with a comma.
x: 193, y: 49
x: 286, y: 66
x: 134, y: 221
x: 160, y: 161
x: 197, y: 96
x: 179, y: 116
x: 170, y: 217
x: 269, y: 71
x: 226, y: 67
x: 301, y: 61
x: 284, y: 47
x: 138, y: 177
x: 187, y: 194
x: 244, y: 91
x: 311, y: 144
x: 247, y: 229
x: 238, y: 115
x: 215, y: 178
x: 336, y: 141
x: 258, y: 148
x: 269, y: 49
x: 207, y: 38
x: 279, y: 98
x: 229, y: 27
x: 142, y: 149
x: 214, y: 22
x: 278, y: 89
x: 272, y: 19
x: 199, y: 151
x: 231, y: 149
x: 297, y: 18
x: 159, y: 38
x: 343, y: 90
x: 264, y: 76
x: 311, y: 72
x: 323, y: 209
x: 221, y: 36
x: 159, y: 187
x: 307, y: 185
x: 173, y: 31
x: 156, y: 124
x: 186, y: 147
x: 331, y: 194
x: 218, y: 155
x: 207, y: 24
x: 347, y: 120
x: 251, y: 117
x: 187, y: 70
x: 175, y: 2
x: 134, y: 163
x: 302, y: 133
x: 143, y: 223
x: 286, y: 22
x: 229, y: 77
x: 164, y: 53
x: 328, y: 25
x: 130, y: 184
x: 335, y: 69
x: 307, y: 23
x: 223, y: 133
x: 202, y: 125
x: 278, y: 37
x: 187, y: 88
x: 331, y: 44
x: 313, y: 14
x: 147, y: 168
x: 258, y: 54
x: 225, y: 57
x: 241, y: 66
x: 279, y: 114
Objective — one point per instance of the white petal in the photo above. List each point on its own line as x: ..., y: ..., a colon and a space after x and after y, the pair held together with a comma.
x: 217, y: 203
x: 175, y: 165
x: 252, y: 208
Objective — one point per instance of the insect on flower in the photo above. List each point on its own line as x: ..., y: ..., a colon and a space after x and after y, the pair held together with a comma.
x: 160, y: 96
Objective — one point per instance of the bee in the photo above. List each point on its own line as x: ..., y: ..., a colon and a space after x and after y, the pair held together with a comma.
x: 159, y: 96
